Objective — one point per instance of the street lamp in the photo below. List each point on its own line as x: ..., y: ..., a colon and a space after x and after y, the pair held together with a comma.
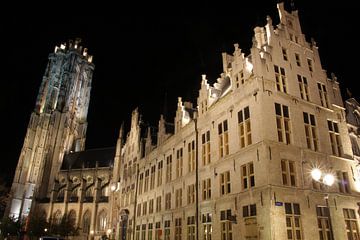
x: 328, y: 179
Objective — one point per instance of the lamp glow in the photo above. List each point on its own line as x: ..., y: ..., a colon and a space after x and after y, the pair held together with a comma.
x: 316, y: 174
x: 329, y: 179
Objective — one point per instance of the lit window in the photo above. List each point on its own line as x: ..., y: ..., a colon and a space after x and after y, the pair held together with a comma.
x: 334, y: 138
x: 159, y: 176
x: 207, y: 226
x: 280, y: 78
x: 293, y: 221
x: 303, y: 86
x: 168, y: 168
x: 223, y: 138
x: 226, y: 225
x: 343, y: 181
x: 310, y: 131
x: 168, y: 201
x: 351, y: 223
x: 323, y: 218
x: 323, y: 95
x: 191, y: 193
x: 205, y: 140
x: 247, y: 176
x: 225, y: 184
x: 206, y: 189
x: 297, y: 59
x: 244, y: 127
x: 288, y: 172
x: 191, y: 156
x: 179, y: 162
x: 178, y: 197
x: 191, y: 228
x: 283, y: 123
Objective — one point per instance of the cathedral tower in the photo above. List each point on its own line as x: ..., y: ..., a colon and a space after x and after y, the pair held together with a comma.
x: 57, y: 125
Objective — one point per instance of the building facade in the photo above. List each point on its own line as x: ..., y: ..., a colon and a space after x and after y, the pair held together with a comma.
x: 264, y: 154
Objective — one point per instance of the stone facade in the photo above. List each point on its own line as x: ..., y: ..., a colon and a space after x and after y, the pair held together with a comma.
x: 238, y: 165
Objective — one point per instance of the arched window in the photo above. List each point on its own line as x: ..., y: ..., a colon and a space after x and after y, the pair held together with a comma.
x: 72, y: 217
x: 57, y: 217
x: 89, y: 192
x: 86, y: 222
x: 102, y: 221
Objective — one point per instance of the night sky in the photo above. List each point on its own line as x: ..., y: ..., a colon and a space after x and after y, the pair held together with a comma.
x: 148, y: 56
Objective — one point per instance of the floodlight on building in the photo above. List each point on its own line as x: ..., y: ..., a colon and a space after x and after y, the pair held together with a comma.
x: 316, y: 174
x: 329, y: 179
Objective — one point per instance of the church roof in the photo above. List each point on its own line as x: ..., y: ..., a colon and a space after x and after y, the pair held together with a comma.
x: 102, y: 157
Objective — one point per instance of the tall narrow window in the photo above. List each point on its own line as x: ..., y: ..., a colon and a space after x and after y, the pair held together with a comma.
x: 323, y: 218
x: 206, y: 189
x: 167, y: 230
x: 158, y: 231
x: 280, y: 79
x: 207, y: 226
x: 144, y: 208
x: 225, y: 187
x: 288, y: 173
x: 247, y: 176
x: 150, y: 231
x: 152, y: 177
x: 159, y: 176
x: 310, y: 64
x: 141, y: 182
x: 146, y: 185
x: 223, y: 138
x: 168, y: 168
x: 284, y: 53
x: 178, y: 197
x: 310, y: 131
x: 158, y: 204
x: 191, y: 193
x: 191, y: 156
x: 151, y: 206
x: 143, y: 231
x: 297, y: 59
x: 178, y: 229
x: 293, y: 221
x: 179, y: 162
x: 334, y: 138
x: 137, y: 233
x: 283, y: 123
x: 205, y: 140
x: 343, y: 181
x: 352, y: 229
x: 323, y: 95
x: 191, y: 228
x: 244, y: 127
x: 251, y: 226
x: 226, y: 225
x: 138, y: 211
x: 168, y: 201
x: 303, y: 86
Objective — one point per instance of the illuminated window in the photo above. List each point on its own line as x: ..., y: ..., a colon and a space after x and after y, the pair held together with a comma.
x: 303, y: 86
x: 168, y: 201
x: 288, y: 173
x: 226, y: 225
x: 191, y: 193
x: 247, y: 176
x: 191, y: 156
x: 168, y: 168
x: 334, y: 138
x: 206, y: 189
x: 323, y: 219
x: 244, y: 127
x: 152, y: 177
x: 310, y: 131
x: 158, y: 232
x: 178, y: 229
x: 179, y: 162
x: 249, y: 210
x: 323, y: 95
x: 343, y: 181
x: 310, y: 65
x: 297, y: 59
x: 283, y: 123
x: 167, y: 230
x: 178, y: 197
x: 143, y: 231
x: 293, y: 221
x: 225, y: 187
x: 137, y: 233
x: 284, y: 53
x: 352, y: 229
x: 191, y: 228
x: 280, y: 78
x: 223, y: 138
x: 150, y: 231
x: 159, y: 176
x: 205, y: 140
x: 207, y: 226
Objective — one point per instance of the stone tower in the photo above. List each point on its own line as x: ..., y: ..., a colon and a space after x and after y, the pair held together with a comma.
x: 57, y: 125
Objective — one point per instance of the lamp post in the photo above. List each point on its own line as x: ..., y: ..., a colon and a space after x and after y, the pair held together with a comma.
x: 328, y: 179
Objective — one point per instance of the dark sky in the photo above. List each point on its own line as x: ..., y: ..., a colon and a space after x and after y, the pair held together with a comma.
x: 147, y: 55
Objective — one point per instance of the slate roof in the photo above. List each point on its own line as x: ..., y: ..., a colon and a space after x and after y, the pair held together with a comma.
x: 87, y: 159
